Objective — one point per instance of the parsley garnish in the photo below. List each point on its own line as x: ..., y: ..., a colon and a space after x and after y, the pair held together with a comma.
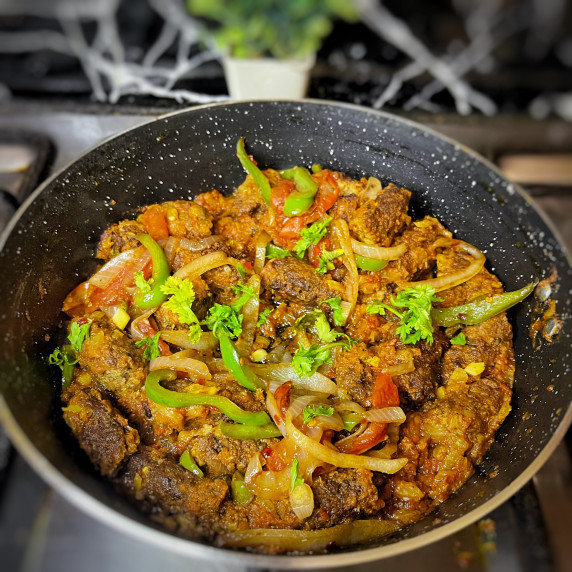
x: 247, y: 294
x: 143, y: 285
x: 61, y: 358
x: 311, y: 411
x: 459, y: 340
x: 324, y: 330
x: 263, y: 317
x: 151, y: 345
x: 416, y: 321
x: 307, y: 360
x: 224, y: 318
x: 337, y: 314
x: 180, y: 302
x: 78, y: 335
x: 273, y: 251
x: 311, y: 236
x: 295, y: 480
x: 325, y: 259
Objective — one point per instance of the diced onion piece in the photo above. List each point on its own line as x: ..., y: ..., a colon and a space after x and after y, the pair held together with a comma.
x: 346, y: 534
x: 455, y: 278
x: 281, y: 373
x: 342, y: 460
x: 260, y: 243
x: 121, y: 318
x: 110, y: 270
x: 194, y: 368
x: 181, y: 338
x: 253, y: 468
x: 385, y: 415
x: 341, y: 231
x: 378, y: 252
x: 202, y: 264
x: 250, y: 318
x: 302, y: 501
x: 400, y: 368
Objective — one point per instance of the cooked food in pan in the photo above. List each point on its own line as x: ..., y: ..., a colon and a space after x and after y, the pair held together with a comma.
x: 296, y: 366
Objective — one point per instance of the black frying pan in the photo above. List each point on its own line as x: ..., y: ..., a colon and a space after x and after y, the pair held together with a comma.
x: 49, y: 248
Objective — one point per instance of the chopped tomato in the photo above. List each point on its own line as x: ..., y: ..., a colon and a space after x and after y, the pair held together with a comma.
x: 375, y: 433
x: 247, y: 264
x: 155, y: 222
x: 282, y: 396
x: 385, y: 393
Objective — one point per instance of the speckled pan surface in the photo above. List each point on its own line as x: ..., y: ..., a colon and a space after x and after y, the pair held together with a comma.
x: 49, y: 247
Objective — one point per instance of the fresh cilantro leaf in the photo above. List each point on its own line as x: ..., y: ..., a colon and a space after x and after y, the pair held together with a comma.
x: 182, y: 297
x: 78, y: 334
x: 311, y: 411
x: 151, y: 345
x: 61, y: 358
x: 307, y: 360
x: 295, y: 480
x: 325, y: 259
x: 241, y: 270
x: 273, y: 251
x: 263, y: 317
x: 324, y: 330
x: 459, y: 339
x: 224, y: 318
x: 247, y: 294
x: 143, y: 285
x: 337, y: 314
x: 311, y: 236
x: 415, y: 321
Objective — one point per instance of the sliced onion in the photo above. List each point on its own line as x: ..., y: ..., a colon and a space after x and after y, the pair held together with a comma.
x: 372, y: 189
x: 134, y: 330
x: 353, y: 436
x: 342, y: 460
x: 253, y: 468
x: 378, y: 252
x: 388, y: 450
x: 297, y: 406
x: 200, y: 244
x: 170, y: 246
x: 202, y: 264
x: 273, y: 485
x: 261, y: 243
x: 110, y: 270
x: 400, y: 368
x: 281, y: 373
x: 455, y: 278
x: 275, y: 414
x: 346, y: 534
x: 333, y: 422
x: 279, y: 354
x: 341, y: 231
x: 302, y: 501
x: 386, y: 415
x: 250, y: 317
x: 195, y: 368
x: 350, y: 406
x: 181, y: 338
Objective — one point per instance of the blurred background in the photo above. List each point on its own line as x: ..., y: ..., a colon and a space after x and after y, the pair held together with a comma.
x: 494, y: 74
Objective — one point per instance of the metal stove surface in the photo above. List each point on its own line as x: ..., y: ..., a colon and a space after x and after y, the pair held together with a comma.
x: 41, y: 532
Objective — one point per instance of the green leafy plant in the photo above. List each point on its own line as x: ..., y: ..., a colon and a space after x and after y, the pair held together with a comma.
x: 276, y: 28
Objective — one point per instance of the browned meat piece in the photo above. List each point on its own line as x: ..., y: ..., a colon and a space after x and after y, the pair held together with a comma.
x: 292, y: 280
x: 420, y: 238
x: 353, y: 374
x: 381, y: 215
x: 187, y: 219
x: 102, y: 432
x: 239, y: 233
x: 174, y: 495
x: 168, y: 320
x: 344, y: 494
x: 118, y: 238
x: 419, y: 385
x: 220, y: 282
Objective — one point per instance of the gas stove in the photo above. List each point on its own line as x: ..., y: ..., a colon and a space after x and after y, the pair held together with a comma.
x: 41, y: 532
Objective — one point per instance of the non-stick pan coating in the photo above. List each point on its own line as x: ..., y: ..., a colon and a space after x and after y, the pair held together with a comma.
x: 49, y: 249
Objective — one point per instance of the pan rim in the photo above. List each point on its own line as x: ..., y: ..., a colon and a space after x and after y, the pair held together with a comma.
x: 96, y: 508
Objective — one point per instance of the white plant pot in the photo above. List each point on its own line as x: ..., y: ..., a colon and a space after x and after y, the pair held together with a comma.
x: 263, y: 78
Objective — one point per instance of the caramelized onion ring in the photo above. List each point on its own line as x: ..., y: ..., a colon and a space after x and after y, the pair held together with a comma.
x: 202, y: 264
x: 378, y: 252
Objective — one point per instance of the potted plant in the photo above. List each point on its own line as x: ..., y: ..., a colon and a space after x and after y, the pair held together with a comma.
x: 269, y: 46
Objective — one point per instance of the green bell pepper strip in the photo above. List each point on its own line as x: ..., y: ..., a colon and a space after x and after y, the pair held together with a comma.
x: 158, y: 394
x: 351, y: 419
x: 154, y: 297
x: 479, y: 310
x: 371, y: 264
x: 242, y: 373
x: 300, y: 201
x: 190, y: 464
x: 239, y: 490
x: 258, y: 176
x: 237, y: 431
